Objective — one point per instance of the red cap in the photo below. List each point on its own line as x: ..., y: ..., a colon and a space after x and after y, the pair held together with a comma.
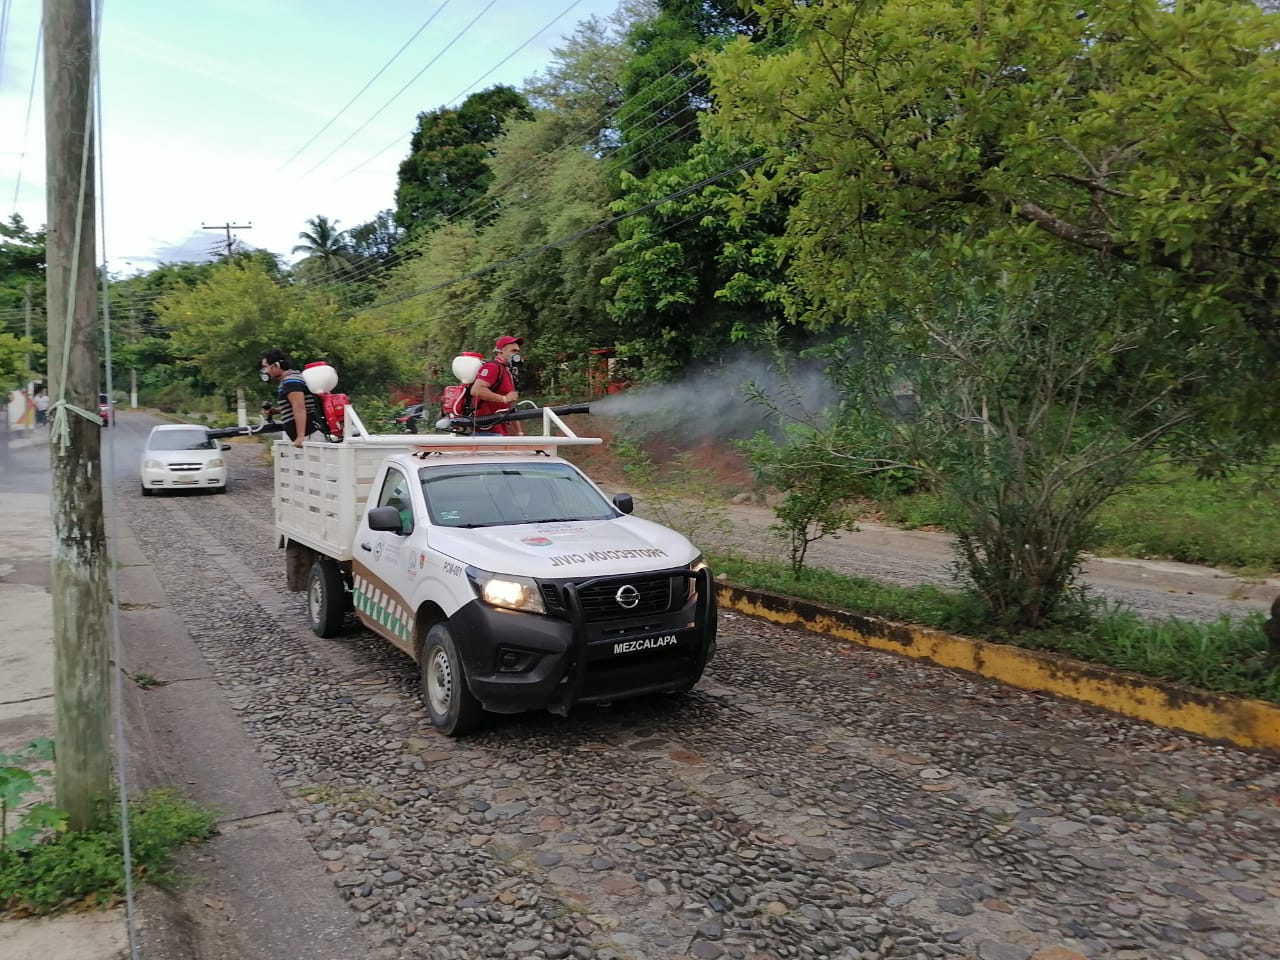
x: 503, y: 341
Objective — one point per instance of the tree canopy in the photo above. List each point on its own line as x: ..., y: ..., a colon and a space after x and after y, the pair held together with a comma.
x: 448, y: 164
x: 1131, y: 130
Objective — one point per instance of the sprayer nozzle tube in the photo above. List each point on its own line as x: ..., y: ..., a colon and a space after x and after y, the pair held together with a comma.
x: 506, y: 416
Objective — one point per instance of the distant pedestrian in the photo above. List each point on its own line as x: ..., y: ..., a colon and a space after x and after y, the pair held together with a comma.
x: 41, y: 402
x: 297, y: 404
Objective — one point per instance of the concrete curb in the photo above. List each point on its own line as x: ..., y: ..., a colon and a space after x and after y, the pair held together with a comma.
x: 1246, y: 723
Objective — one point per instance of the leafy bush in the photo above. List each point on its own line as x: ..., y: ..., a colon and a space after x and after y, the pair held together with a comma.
x: 18, y: 779
x: 71, y: 868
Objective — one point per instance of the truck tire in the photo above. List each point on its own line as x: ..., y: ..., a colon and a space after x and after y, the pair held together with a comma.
x: 445, y: 694
x: 326, y: 599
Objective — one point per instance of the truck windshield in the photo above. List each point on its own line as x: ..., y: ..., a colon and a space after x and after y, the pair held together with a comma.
x: 494, y: 494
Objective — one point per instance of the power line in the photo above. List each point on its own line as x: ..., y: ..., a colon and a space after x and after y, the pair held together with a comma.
x: 583, y: 133
x: 380, y: 72
x: 4, y: 32
x: 228, y: 226
x: 397, y: 94
x: 31, y: 96
x: 550, y: 23
x: 473, y: 83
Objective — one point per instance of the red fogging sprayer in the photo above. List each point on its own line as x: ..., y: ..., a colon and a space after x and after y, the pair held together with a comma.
x: 457, y: 406
x: 320, y: 379
x: 456, y: 399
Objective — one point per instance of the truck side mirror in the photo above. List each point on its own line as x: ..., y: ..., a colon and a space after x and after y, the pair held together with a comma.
x: 385, y: 519
x: 624, y: 502
x: 226, y: 446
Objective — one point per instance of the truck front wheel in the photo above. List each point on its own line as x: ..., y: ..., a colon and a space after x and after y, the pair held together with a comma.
x: 454, y: 711
x: 326, y: 598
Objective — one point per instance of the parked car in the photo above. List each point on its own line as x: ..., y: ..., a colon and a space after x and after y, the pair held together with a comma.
x: 183, y: 457
x: 104, y: 409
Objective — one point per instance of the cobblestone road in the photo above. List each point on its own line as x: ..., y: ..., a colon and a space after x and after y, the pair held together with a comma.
x: 808, y: 799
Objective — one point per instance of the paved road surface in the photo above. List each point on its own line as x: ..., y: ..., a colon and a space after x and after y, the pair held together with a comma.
x: 809, y: 799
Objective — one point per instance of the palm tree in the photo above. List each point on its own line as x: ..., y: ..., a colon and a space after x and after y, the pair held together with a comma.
x: 325, y: 246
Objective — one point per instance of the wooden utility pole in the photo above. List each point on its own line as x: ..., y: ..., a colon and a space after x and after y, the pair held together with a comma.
x: 227, y: 227
x: 82, y: 724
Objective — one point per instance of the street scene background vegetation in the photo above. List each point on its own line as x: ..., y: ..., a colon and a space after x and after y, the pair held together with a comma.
x: 1035, y: 248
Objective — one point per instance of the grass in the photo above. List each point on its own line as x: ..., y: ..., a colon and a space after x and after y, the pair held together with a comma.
x: 1226, y: 656
x: 86, y: 869
x: 1233, y: 523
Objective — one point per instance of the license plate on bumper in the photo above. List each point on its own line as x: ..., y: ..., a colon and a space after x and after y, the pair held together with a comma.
x: 665, y: 642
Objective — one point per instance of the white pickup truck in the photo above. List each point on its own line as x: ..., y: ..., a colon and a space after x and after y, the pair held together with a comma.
x: 498, y: 566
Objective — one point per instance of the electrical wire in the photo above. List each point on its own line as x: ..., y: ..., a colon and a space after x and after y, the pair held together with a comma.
x: 398, y: 93
x: 550, y: 24
x: 117, y: 643
x: 367, y: 85
x: 4, y: 32
x: 31, y: 96
x: 576, y: 235
x: 585, y: 133
x: 657, y: 233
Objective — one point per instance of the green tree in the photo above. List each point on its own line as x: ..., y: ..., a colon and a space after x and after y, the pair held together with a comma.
x: 15, y: 354
x: 447, y: 169
x: 581, y: 91
x: 687, y: 274
x: 222, y: 325
x: 373, y: 244
x: 552, y: 293
x: 21, y: 272
x: 991, y: 399
x: 686, y: 277
x: 663, y: 91
x: 326, y: 248
x: 1127, y: 131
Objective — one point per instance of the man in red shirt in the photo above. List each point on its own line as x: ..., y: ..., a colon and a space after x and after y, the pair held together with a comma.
x: 494, y: 388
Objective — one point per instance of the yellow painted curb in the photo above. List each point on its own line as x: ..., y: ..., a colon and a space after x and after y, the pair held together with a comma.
x: 1248, y: 723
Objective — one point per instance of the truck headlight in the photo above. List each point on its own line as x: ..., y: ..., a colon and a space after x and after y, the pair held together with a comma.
x: 216, y: 462
x: 154, y: 465
x: 506, y: 591
x: 698, y: 565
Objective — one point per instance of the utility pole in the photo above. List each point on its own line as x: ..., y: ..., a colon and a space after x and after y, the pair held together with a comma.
x: 26, y: 329
x: 81, y: 667
x: 227, y: 227
x: 133, y: 338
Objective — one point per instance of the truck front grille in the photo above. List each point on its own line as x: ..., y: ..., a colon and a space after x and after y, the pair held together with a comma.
x: 599, y: 599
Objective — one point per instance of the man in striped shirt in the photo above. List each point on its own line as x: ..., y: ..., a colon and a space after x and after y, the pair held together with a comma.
x: 298, y: 405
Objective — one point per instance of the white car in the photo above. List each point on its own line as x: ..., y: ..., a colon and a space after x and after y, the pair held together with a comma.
x: 183, y: 457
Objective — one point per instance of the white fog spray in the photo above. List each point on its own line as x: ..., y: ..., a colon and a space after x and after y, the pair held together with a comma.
x: 713, y: 402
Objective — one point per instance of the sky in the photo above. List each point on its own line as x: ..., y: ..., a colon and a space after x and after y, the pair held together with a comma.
x: 232, y: 111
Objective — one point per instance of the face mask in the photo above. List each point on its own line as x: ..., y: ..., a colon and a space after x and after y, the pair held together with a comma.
x: 264, y: 376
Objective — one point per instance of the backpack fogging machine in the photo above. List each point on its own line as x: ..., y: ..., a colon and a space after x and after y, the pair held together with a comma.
x: 457, y: 406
